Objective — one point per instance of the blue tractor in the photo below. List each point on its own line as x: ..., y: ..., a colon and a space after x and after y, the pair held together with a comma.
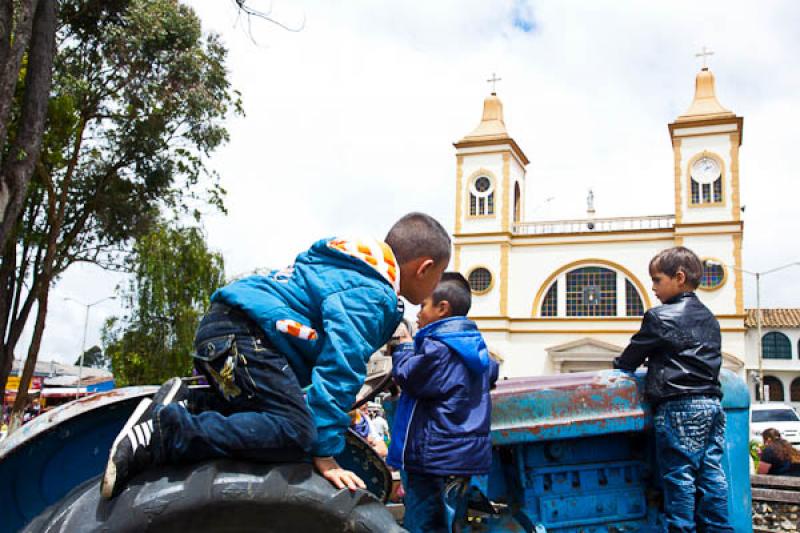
x: 572, y: 453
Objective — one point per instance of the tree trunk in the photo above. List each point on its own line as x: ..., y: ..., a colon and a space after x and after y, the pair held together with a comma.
x: 30, y: 362
x: 16, y: 21
x: 21, y: 160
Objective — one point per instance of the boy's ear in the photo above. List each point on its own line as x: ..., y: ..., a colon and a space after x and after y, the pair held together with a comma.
x: 680, y: 277
x: 444, y: 308
x: 424, y: 266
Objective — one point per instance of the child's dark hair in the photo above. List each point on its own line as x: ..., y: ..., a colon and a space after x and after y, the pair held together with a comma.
x: 419, y: 235
x: 678, y: 259
x: 454, y: 289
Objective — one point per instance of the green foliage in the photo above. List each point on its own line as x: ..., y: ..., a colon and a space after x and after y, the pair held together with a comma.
x: 755, y: 452
x: 95, y: 358
x: 138, y: 101
x: 175, y: 275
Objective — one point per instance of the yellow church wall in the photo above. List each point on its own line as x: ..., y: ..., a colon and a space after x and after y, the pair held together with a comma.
x: 530, y: 267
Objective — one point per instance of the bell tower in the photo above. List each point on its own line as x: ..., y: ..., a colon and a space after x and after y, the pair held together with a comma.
x: 705, y: 141
x: 490, y: 193
x: 708, y: 218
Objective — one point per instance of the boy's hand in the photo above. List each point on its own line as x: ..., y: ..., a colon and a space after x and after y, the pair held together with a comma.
x: 402, y: 334
x: 341, y: 478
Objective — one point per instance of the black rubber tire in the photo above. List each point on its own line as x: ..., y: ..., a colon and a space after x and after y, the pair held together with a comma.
x: 220, y: 496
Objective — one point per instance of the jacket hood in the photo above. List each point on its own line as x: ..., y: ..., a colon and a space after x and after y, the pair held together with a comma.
x: 376, y: 255
x: 462, y: 336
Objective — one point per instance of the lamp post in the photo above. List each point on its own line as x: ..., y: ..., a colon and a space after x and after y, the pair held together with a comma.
x: 758, y: 313
x: 83, y: 342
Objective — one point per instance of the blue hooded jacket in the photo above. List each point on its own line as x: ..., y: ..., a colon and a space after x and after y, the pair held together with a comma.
x: 327, y: 313
x: 443, y: 416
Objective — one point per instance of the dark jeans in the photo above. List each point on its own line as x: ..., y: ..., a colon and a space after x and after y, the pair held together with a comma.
x: 434, y: 504
x: 690, y: 439
x: 254, y: 409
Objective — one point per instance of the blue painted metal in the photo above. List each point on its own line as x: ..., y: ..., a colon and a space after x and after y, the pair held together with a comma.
x: 572, y: 453
x: 575, y: 453
x: 48, y: 457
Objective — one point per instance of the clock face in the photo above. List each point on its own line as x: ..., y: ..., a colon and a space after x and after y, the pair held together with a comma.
x: 705, y: 170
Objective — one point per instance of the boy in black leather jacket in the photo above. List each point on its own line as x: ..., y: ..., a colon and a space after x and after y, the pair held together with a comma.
x: 682, y: 344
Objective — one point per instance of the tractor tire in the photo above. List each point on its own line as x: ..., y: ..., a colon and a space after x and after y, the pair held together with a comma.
x: 220, y: 496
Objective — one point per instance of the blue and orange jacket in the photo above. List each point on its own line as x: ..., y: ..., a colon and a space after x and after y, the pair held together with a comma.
x: 327, y: 313
x: 442, y: 421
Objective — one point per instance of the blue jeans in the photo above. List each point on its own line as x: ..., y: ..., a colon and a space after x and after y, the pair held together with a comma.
x: 434, y: 504
x: 690, y: 439
x: 254, y: 409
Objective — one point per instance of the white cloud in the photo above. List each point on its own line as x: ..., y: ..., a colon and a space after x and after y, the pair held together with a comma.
x: 350, y: 122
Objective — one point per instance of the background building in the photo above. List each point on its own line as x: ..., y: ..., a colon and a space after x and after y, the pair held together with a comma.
x: 566, y: 295
x: 780, y: 344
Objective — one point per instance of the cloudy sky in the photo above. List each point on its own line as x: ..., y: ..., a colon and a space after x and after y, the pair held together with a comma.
x: 350, y: 122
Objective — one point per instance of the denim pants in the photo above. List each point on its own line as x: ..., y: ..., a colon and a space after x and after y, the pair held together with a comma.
x: 254, y: 409
x: 434, y: 504
x: 690, y: 439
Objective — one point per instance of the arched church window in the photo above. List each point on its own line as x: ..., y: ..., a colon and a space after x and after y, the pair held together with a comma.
x: 481, y: 197
x: 776, y: 345
x: 713, y: 274
x: 633, y: 302
x: 550, y: 302
x: 592, y: 291
x: 775, y: 391
x: 480, y: 280
x: 517, y: 206
x: 794, y: 390
x: 706, y: 181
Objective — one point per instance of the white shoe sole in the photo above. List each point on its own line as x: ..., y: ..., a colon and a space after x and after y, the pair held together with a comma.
x: 110, y: 475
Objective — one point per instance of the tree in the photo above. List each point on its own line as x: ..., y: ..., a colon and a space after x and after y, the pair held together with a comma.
x: 174, y: 277
x: 27, y: 47
x: 136, y: 107
x: 95, y: 358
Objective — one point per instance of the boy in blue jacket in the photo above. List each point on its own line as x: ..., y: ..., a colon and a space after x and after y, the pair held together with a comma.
x: 440, y: 435
x: 286, y: 354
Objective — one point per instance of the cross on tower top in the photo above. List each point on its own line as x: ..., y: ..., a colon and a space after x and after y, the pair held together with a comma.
x: 493, y: 80
x: 705, y: 53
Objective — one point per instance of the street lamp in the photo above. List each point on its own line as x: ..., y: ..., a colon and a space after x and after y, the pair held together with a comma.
x: 758, y: 312
x: 83, y: 342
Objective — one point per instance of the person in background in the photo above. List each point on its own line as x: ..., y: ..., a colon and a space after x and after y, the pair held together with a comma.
x: 778, y: 457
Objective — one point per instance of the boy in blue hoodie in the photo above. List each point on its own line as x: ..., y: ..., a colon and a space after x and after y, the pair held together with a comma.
x: 286, y: 354
x: 440, y: 435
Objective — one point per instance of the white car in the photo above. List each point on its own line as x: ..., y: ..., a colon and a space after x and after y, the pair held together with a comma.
x: 780, y: 416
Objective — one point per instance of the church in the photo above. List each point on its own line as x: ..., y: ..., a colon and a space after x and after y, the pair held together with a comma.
x: 566, y: 295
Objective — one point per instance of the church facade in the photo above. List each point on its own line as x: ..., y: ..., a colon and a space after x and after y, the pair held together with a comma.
x: 566, y: 295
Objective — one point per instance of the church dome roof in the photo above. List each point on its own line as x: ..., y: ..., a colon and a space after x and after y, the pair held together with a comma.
x: 705, y: 104
x: 492, y: 126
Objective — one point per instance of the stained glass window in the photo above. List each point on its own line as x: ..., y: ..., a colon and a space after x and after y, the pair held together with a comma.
x: 776, y: 345
x: 695, y: 192
x: 480, y: 280
x: 481, y: 197
x: 633, y: 303
x: 713, y: 275
x: 718, y: 189
x: 550, y: 302
x: 592, y: 291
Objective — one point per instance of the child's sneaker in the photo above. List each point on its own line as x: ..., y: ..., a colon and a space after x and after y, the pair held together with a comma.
x: 172, y: 391
x: 131, y: 452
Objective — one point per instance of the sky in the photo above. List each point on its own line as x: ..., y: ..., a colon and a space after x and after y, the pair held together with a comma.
x: 350, y: 122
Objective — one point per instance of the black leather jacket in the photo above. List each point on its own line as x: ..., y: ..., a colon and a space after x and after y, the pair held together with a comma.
x: 681, y: 342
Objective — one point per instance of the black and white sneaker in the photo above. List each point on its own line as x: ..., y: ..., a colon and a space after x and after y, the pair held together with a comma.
x: 131, y: 452
x: 174, y: 390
